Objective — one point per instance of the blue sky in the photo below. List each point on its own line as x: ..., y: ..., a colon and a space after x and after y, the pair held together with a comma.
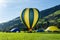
x: 10, y: 9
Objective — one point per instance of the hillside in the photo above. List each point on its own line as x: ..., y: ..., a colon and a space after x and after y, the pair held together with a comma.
x: 45, y: 15
x: 49, y: 11
x: 11, y: 24
x: 53, y: 19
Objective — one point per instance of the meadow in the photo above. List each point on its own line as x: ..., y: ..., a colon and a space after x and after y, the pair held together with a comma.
x: 29, y: 36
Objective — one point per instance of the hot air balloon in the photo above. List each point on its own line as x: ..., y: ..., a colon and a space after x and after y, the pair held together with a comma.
x: 30, y: 17
x: 15, y: 30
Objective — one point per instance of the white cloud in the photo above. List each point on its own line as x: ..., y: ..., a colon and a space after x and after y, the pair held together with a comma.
x: 3, y: 4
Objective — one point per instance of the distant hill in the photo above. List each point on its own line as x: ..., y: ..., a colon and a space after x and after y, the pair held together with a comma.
x: 11, y: 24
x: 49, y: 11
x: 53, y: 19
x: 48, y: 14
x: 55, y: 15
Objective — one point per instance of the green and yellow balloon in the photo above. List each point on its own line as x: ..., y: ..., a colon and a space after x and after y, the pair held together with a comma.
x: 30, y: 17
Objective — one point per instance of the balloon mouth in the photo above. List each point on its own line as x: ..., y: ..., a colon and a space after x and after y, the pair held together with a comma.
x: 30, y: 30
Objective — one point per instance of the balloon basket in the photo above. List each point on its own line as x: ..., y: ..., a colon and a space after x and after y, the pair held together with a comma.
x: 30, y: 31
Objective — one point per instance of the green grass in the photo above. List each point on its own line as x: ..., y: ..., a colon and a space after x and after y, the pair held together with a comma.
x: 29, y: 36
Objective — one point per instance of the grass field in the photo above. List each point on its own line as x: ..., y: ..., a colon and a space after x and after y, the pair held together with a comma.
x: 29, y: 36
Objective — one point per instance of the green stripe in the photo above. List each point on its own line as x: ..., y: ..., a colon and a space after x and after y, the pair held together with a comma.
x: 31, y: 17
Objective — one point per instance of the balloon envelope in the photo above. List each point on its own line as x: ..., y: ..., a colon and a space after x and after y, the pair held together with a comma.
x: 15, y: 30
x: 30, y: 17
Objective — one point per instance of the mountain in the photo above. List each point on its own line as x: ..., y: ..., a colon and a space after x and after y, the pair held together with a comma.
x: 11, y: 24
x: 46, y: 15
x: 49, y: 11
x: 51, y: 19
x: 55, y: 15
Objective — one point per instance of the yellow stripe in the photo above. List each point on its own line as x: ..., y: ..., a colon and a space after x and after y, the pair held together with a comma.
x: 35, y: 17
x: 26, y: 18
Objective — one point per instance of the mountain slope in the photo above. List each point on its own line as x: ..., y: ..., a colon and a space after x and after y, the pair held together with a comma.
x: 49, y: 11
x: 45, y: 14
x: 11, y: 24
x: 51, y: 19
x: 55, y: 15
